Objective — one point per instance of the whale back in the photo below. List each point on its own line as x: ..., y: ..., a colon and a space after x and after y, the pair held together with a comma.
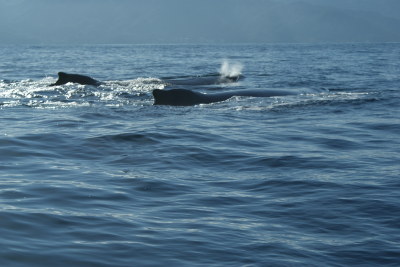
x: 177, y: 97
x: 64, y: 78
x: 184, y: 97
x: 203, y: 80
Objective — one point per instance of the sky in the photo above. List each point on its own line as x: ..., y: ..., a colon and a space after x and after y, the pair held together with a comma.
x: 198, y: 21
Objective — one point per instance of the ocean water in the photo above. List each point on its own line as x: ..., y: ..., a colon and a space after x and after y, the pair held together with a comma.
x: 99, y: 176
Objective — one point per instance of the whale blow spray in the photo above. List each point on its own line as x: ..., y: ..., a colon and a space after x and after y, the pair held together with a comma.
x: 229, y: 69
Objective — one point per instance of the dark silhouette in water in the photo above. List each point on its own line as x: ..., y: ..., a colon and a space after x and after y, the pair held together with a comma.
x: 203, y: 80
x: 184, y: 97
x: 64, y: 78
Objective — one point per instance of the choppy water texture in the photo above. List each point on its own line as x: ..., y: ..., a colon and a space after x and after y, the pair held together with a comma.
x: 98, y: 176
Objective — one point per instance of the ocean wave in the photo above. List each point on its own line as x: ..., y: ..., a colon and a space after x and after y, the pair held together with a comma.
x: 93, y: 176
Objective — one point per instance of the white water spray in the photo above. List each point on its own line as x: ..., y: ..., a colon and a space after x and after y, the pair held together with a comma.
x: 229, y: 69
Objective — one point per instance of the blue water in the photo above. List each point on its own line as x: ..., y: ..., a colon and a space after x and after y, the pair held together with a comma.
x: 99, y: 176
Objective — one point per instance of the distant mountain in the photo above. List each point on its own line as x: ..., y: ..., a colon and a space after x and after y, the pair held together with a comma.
x: 385, y: 8
x: 205, y: 21
x: 324, y: 21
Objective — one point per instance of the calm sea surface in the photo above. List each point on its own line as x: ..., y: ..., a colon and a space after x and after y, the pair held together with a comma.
x: 99, y: 176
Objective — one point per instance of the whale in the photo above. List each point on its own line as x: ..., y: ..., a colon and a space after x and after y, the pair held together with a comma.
x: 64, y: 78
x: 210, y: 79
x: 185, y: 97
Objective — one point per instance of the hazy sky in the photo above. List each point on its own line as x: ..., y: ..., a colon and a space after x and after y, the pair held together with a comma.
x: 198, y: 21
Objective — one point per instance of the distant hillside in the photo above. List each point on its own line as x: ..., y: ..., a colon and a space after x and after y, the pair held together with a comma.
x: 205, y: 21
